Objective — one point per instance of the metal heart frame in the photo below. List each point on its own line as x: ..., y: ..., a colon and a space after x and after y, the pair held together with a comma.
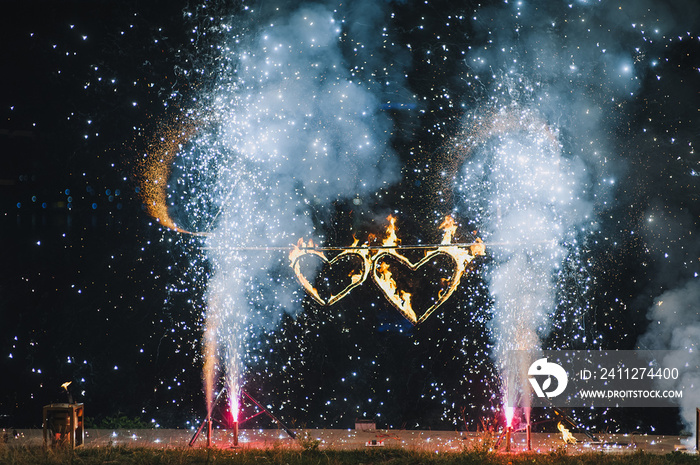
x: 461, y: 255
x: 400, y: 299
x: 356, y: 279
x: 370, y: 262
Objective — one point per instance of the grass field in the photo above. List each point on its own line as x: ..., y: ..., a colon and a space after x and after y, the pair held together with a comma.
x: 147, y: 456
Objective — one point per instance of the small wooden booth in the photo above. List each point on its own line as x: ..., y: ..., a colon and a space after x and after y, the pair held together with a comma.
x: 64, y: 425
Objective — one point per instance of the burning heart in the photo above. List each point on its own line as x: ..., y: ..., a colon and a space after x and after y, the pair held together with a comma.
x: 396, y: 275
x: 359, y: 256
x: 453, y: 257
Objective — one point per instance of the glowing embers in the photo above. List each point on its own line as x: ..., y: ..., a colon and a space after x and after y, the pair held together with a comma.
x: 416, y: 286
x: 153, y: 171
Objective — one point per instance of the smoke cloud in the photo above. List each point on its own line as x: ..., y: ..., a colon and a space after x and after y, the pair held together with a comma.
x: 674, y: 316
x: 675, y: 325
x: 550, y: 187
x: 294, y: 129
x: 529, y: 200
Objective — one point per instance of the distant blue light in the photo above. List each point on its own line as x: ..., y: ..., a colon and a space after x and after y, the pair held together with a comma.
x: 94, y: 206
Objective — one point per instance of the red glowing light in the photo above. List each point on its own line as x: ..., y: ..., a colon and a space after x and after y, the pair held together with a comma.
x: 234, y: 408
x: 510, y: 413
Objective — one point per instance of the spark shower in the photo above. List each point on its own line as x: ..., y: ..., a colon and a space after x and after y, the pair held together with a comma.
x: 312, y: 109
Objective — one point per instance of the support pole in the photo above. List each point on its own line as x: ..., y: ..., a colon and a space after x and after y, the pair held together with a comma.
x: 196, y: 434
x: 209, y: 431
x: 499, y: 440
x: 697, y: 430
x: 207, y: 421
x: 291, y: 433
x: 529, y: 437
x: 509, y: 432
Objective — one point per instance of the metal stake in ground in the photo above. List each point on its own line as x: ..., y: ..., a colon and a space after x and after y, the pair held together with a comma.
x: 207, y: 421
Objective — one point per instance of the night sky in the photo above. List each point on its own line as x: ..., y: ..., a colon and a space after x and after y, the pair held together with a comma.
x: 562, y: 135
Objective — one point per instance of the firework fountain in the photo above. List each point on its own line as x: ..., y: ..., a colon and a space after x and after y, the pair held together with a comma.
x: 522, y: 189
x: 286, y: 114
x: 538, y: 166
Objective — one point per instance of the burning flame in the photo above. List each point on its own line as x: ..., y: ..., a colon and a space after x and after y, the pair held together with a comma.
x: 478, y: 247
x: 391, y: 238
x: 373, y: 260
x: 300, y: 249
x: 450, y: 227
x: 401, y: 299
x: 566, y: 435
x: 358, y: 278
x: 304, y: 248
x: 461, y: 256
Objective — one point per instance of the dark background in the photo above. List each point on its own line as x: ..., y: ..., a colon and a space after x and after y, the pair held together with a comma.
x: 93, y: 291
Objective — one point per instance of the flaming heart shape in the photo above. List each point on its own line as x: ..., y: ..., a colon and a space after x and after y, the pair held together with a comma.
x: 302, y: 249
x: 400, y: 298
x: 375, y: 259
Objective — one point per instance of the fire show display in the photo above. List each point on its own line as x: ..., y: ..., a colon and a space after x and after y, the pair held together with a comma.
x: 419, y: 215
x: 374, y: 262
